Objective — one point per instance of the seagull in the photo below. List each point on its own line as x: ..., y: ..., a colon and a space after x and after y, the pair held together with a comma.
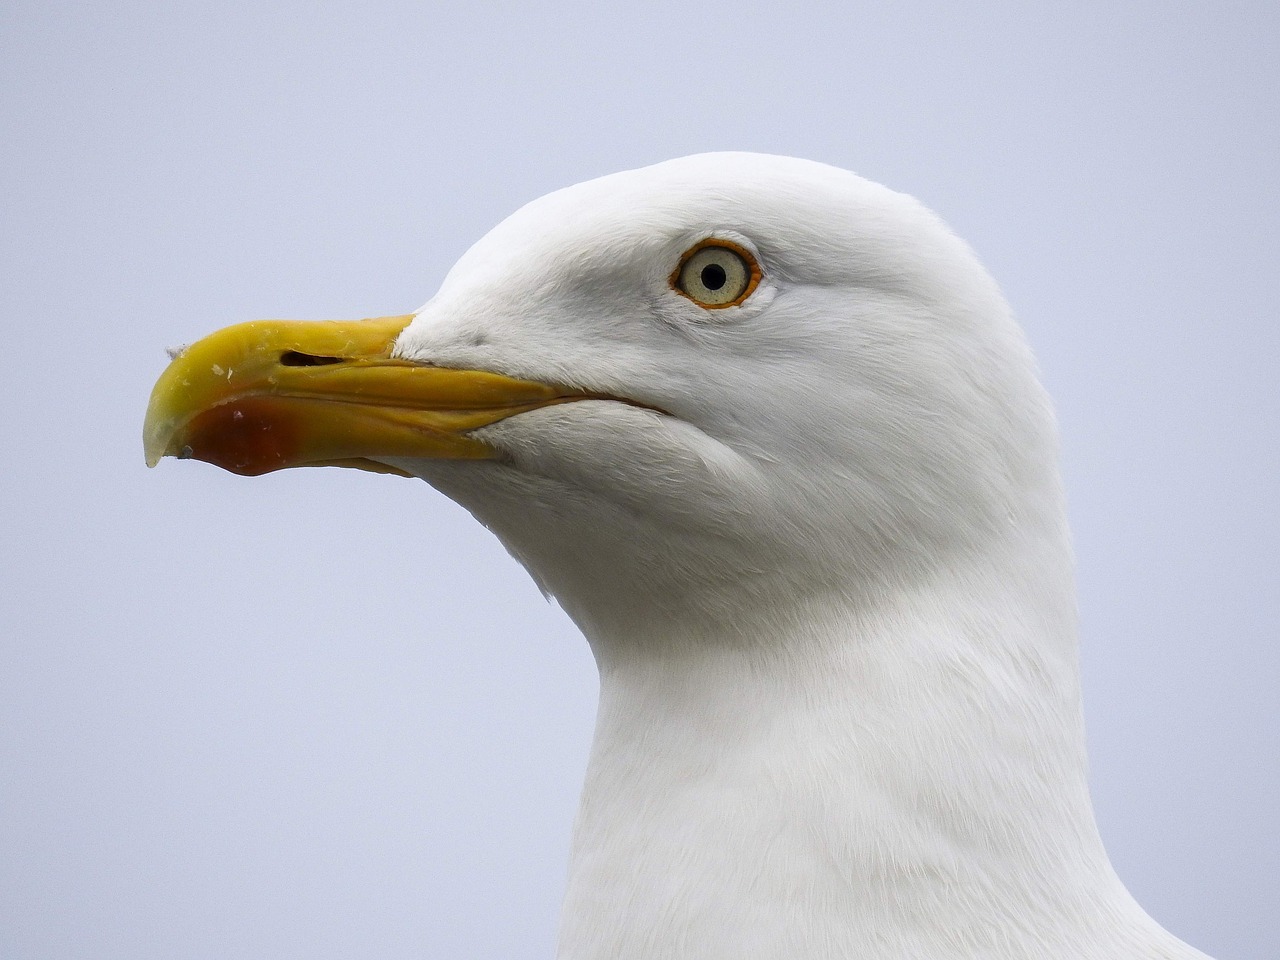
x: 770, y: 435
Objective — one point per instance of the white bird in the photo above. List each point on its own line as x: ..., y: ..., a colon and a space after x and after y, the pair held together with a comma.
x: 770, y: 435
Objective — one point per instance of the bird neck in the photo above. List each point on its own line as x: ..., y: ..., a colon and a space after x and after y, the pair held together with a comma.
x: 897, y: 776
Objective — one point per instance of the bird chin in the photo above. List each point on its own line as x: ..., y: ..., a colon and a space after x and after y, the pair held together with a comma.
x: 557, y: 462
x: 642, y: 461
x: 584, y: 483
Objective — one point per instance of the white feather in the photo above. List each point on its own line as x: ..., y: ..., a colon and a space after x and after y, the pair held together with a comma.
x: 829, y: 589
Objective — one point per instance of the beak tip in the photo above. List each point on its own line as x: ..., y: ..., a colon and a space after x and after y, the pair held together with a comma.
x: 155, y: 443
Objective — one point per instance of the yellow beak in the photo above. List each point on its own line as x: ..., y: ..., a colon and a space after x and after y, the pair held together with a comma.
x: 271, y: 394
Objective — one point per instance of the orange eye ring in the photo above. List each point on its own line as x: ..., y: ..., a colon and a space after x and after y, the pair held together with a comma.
x: 716, y: 273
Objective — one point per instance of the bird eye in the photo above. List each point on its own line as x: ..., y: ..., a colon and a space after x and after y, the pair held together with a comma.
x: 716, y: 273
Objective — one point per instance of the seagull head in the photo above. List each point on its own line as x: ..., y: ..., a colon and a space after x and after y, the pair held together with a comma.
x: 664, y: 386
x: 770, y: 435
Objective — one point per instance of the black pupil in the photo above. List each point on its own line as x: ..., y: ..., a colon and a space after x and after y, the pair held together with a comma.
x: 713, y: 276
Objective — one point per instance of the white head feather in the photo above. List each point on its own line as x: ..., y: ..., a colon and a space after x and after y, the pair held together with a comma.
x: 821, y: 558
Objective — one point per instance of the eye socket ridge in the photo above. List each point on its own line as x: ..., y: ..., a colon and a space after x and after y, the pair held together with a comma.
x: 716, y: 273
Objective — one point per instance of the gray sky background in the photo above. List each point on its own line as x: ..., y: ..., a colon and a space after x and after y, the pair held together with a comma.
x: 321, y: 714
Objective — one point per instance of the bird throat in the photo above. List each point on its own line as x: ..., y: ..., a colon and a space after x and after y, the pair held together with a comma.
x: 856, y: 778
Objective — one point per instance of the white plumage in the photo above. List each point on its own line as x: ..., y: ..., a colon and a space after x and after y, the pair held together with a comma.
x: 818, y: 545
x: 829, y: 589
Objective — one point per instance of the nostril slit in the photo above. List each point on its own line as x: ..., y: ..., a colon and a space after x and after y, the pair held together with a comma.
x: 292, y: 358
